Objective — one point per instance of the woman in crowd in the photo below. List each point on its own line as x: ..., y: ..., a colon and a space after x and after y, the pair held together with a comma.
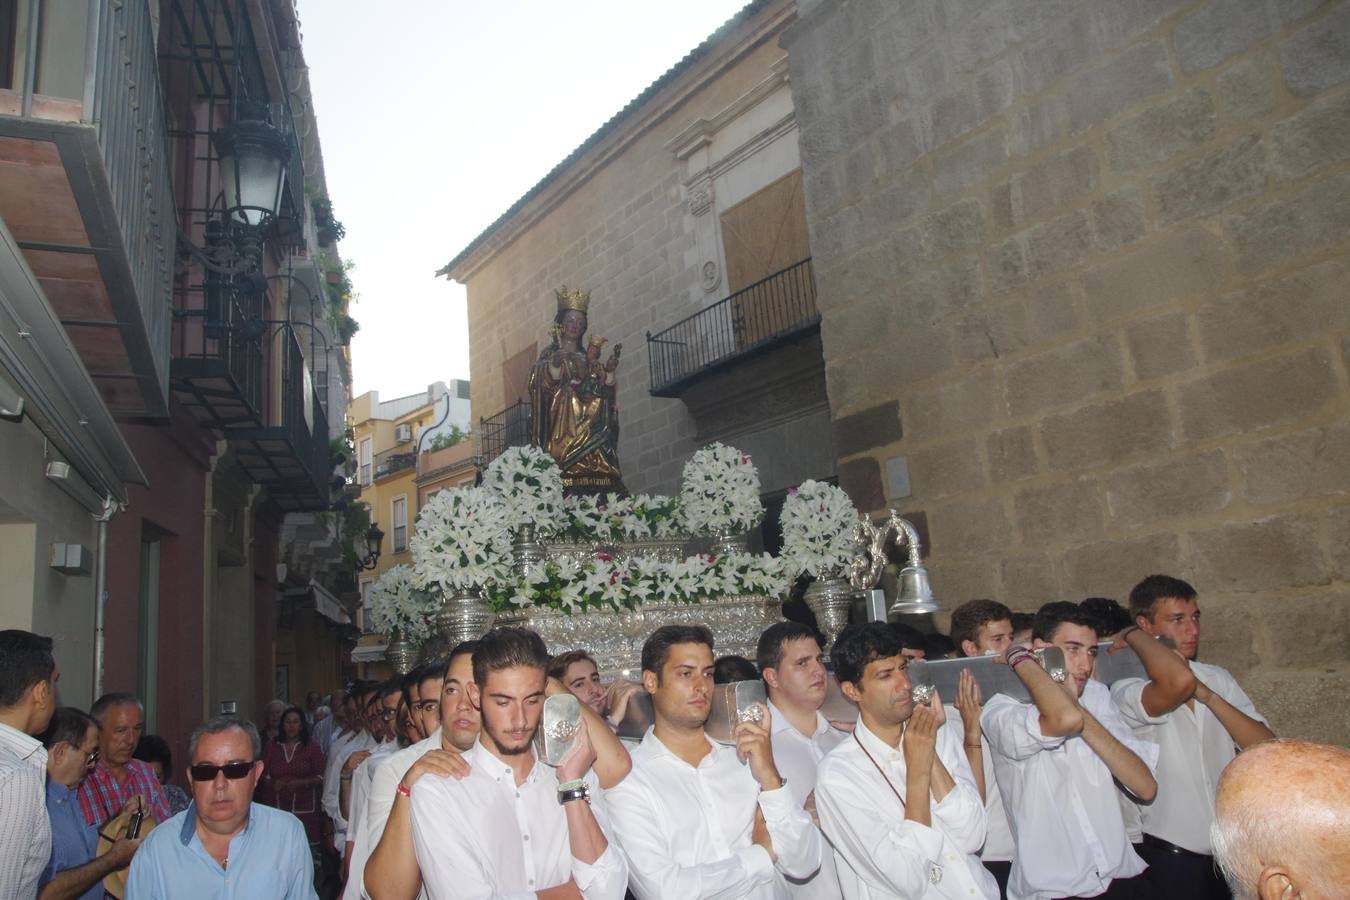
x: 293, y: 772
x: 154, y: 750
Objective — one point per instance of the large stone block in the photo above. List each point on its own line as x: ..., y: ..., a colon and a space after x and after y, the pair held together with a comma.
x: 1110, y: 568
x: 1303, y: 306
x: 1171, y: 266
x: 1337, y: 526
x: 1160, y: 346
x: 1229, y: 634
x: 974, y: 160
x: 949, y: 117
x: 1039, y: 124
x: 981, y: 39
x: 1317, y: 136
x: 948, y: 469
x: 956, y: 406
x: 1169, y: 488
x: 1118, y: 219
x: 1052, y: 310
x: 1057, y: 244
x: 936, y: 291
x: 1108, y: 432
x: 1053, y: 184
x: 1318, y: 56
x: 984, y: 334
x: 1012, y: 454
x: 1300, y: 704
x: 1247, y: 89
x: 1029, y: 582
x: 919, y: 350
x: 1160, y: 132
x: 1270, y: 392
x: 860, y: 478
x: 956, y: 580
x: 1060, y: 513
x: 1218, y: 30
x: 1140, y: 72
x: 1275, y: 232
x: 874, y: 427
x: 1064, y: 375
x: 1264, y: 555
x: 1055, y: 49
x: 1211, y: 182
x: 1313, y: 629
x: 960, y: 227
x: 1292, y: 467
x: 974, y: 527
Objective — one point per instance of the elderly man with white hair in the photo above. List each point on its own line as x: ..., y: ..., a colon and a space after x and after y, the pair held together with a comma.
x: 1282, y: 822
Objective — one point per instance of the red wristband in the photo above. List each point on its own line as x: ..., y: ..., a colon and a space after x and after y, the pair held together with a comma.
x: 404, y: 790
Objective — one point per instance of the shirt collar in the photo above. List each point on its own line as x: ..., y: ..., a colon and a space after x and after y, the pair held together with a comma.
x: 781, y: 723
x: 189, y: 829
x: 659, y: 749
x: 480, y: 759
x: 880, y: 750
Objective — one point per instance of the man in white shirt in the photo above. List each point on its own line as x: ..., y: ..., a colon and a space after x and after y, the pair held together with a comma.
x: 983, y: 628
x: 357, y: 739
x: 697, y: 818
x: 1199, y: 717
x: 27, y: 701
x: 1057, y: 761
x: 793, y: 667
x: 897, y: 800
x: 515, y: 826
x: 355, y: 791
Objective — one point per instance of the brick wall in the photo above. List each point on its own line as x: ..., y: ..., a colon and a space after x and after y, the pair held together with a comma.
x: 1092, y: 256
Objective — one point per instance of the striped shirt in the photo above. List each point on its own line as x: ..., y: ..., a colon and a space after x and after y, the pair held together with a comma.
x: 102, y: 796
x: 25, y: 832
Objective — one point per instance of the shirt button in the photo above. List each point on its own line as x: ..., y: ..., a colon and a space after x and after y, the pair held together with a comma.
x: 527, y: 837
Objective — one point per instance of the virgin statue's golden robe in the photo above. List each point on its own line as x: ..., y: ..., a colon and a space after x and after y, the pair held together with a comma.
x: 574, y: 418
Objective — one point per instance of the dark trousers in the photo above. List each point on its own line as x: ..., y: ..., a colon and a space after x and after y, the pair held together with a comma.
x: 1135, y: 888
x: 1000, y: 871
x: 1174, y: 872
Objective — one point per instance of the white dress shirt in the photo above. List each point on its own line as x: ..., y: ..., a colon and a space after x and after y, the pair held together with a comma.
x: 388, y: 773
x: 881, y: 854
x: 1061, y: 800
x: 1193, y: 749
x: 25, y: 830
x: 343, y: 748
x: 357, y: 800
x: 484, y: 836
x: 687, y: 831
x: 998, y: 839
x: 798, y: 757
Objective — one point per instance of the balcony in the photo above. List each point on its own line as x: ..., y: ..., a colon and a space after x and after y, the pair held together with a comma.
x: 764, y: 315
x: 85, y: 186
x: 508, y: 428
x: 391, y: 462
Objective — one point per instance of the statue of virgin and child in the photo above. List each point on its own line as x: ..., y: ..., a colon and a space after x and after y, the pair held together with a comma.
x: 573, y: 409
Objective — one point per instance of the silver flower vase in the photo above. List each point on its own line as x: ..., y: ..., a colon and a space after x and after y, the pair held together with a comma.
x: 462, y: 617
x: 401, y: 653
x: 728, y: 540
x: 526, y: 551
x: 829, y: 599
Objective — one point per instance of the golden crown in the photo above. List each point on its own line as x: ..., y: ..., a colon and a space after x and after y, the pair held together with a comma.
x: 572, y: 298
x: 596, y: 341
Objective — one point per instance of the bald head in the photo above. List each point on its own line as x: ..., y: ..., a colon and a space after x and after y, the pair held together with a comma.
x: 1282, y: 821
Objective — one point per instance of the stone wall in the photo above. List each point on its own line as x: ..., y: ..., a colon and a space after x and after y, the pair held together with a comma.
x: 1082, y: 272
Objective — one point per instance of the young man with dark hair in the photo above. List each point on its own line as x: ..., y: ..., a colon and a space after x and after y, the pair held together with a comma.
x: 983, y: 628
x: 911, y: 641
x: 1199, y: 717
x: 118, y: 776
x: 732, y: 667
x: 27, y: 701
x: 897, y: 800
x: 358, y: 738
x: 75, y: 870
x: 793, y: 667
x: 359, y: 771
x: 1058, y: 760
x: 515, y: 826
x: 1112, y: 618
x: 697, y: 818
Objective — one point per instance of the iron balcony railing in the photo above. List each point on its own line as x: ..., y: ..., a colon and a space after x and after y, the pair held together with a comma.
x: 304, y: 425
x: 747, y: 322
x: 508, y: 428
x: 395, y: 460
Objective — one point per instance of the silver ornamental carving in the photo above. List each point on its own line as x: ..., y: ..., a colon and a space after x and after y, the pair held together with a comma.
x: 914, y: 594
x: 921, y: 693
x: 526, y: 551
x: 462, y: 617
x: 752, y: 714
x: 728, y: 540
x: 562, y: 731
x: 400, y: 653
x: 829, y: 599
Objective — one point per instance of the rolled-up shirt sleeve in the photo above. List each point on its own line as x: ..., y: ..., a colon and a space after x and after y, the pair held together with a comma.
x: 961, y: 812
x: 653, y: 871
x: 796, y: 839
x: 1128, y: 694
x: 895, y: 856
x: 1014, y: 728
x: 607, y: 877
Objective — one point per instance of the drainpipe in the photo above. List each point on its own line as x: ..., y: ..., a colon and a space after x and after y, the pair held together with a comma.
x: 110, y: 508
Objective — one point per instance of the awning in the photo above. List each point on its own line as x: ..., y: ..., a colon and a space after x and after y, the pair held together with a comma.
x: 366, y: 653
x: 325, y: 604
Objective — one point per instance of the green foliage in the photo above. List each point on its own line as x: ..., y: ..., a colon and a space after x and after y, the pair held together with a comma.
x: 329, y: 227
x: 346, y: 327
x: 448, y: 439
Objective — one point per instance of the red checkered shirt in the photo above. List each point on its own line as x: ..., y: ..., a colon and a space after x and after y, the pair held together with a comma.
x: 101, y: 797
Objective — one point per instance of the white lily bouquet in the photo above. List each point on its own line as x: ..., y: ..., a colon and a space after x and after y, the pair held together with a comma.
x: 720, y: 491
x: 819, y: 530
x: 462, y: 541
x: 610, y: 519
x: 395, y: 604
x: 529, y: 484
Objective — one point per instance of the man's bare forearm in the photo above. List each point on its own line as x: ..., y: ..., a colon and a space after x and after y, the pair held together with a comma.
x: 71, y: 883
x: 612, y: 763
x: 1124, y: 763
x: 1060, y: 713
x: 1170, y: 680
x: 392, y: 872
x: 1242, y: 728
x: 587, y: 841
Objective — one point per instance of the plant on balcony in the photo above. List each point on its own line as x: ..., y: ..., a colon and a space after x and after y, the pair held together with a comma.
x: 394, y: 603
x: 462, y: 541
x: 530, y: 485
x: 448, y: 438
x: 346, y: 327
x: 720, y: 491
x: 329, y: 229
x: 349, y: 523
x: 819, y: 530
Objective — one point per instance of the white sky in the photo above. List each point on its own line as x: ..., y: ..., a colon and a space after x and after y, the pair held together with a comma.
x: 437, y: 115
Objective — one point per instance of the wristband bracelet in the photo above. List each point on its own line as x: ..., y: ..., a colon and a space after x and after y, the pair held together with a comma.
x: 1014, y: 663
x: 1017, y: 655
x: 403, y: 789
x: 571, y: 785
x: 979, y: 747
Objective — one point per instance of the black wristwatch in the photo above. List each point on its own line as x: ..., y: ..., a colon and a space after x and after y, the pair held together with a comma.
x: 576, y: 793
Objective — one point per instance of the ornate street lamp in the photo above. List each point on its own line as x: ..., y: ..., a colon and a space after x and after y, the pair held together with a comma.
x: 374, y: 537
x: 253, y: 156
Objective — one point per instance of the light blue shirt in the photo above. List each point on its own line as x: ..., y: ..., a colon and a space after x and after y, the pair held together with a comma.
x: 270, y: 858
x: 74, y: 841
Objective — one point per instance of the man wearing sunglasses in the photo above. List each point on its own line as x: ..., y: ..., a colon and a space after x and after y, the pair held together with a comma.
x: 224, y: 844
x: 75, y: 869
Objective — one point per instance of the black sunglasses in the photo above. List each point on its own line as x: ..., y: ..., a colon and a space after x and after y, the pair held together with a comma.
x: 233, y: 771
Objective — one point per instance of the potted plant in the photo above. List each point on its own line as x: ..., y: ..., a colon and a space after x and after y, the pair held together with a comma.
x: 329, y: 229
